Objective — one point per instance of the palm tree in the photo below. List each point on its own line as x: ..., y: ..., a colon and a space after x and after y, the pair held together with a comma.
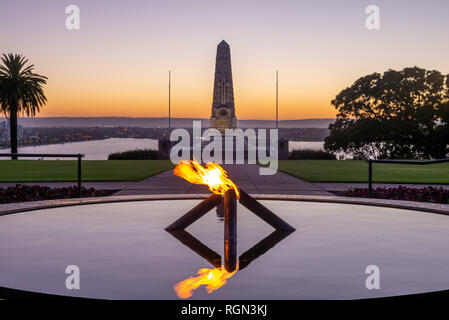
x: 20, y: 91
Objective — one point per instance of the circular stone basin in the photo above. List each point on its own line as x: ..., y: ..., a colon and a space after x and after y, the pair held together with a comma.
x: 123, y: 251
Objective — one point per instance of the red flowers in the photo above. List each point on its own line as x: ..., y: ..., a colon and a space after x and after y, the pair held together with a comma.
x: 22, y: 193
x: 426, y: 194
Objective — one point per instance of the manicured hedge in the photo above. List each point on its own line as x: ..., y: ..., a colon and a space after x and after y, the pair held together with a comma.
x: 138, y: 154
x: 309, y: 154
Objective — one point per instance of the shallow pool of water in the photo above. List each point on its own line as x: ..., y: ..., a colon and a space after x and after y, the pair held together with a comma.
x: 123, y: 251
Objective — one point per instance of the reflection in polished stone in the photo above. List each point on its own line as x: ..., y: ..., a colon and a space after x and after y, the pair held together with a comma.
x: 220, y: 211
x: 217, y: 277
x: 124, y: 253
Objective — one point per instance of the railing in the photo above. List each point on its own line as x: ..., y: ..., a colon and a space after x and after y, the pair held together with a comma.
x: 370, y: 168
x: 53, y: 155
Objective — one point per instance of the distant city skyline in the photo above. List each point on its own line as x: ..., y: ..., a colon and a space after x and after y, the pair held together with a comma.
x: 117, y: 63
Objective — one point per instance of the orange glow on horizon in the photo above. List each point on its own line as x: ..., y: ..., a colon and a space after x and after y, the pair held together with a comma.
x: 127, y: 92
x: 117, y: 63
x: 85, y: 102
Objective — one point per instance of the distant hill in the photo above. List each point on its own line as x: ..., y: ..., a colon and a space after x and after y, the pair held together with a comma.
x: 300, y: 123
x: 161, y: 122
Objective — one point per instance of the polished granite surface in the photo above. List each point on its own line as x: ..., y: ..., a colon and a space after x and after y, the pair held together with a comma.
x: 123, y: 251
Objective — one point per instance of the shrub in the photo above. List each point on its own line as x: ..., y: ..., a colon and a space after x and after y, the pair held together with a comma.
x: 427, y: 194
x: 23, y: 193
x: 309, y: 154
x: 138, y: 154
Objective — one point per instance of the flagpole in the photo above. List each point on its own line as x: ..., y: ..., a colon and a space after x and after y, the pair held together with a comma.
x: 169, y: 100
x: 277, y: 97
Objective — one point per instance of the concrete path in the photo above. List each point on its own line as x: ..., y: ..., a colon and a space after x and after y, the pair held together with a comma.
x: 343, y: 186
x: 245, y: 176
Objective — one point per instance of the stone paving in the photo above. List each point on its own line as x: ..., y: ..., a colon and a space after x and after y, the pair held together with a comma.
x: 245, y: 176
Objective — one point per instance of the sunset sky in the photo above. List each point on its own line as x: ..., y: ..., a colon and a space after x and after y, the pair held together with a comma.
x: 117, y: 63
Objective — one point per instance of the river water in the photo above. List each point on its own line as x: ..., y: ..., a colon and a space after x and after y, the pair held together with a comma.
x: 100, y: 149
x: 94, y: 150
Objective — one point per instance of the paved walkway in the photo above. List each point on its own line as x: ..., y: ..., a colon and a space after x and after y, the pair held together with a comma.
x: 245, y: 176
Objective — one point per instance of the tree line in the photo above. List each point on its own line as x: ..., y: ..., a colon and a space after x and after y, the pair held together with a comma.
x: 395, y: 115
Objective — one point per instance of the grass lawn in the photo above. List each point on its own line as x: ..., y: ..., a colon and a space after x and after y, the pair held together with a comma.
x: 92, y: 170
x: 357, y: 171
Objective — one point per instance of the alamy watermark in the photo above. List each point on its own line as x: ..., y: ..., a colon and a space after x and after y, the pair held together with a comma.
x: 372, y: 21
x: 213, y: 145
x: 72, y: 282
x: 373, y: 280
x: 72, y: 21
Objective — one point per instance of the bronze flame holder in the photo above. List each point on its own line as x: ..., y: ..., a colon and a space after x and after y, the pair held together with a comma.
x: 230, y: 226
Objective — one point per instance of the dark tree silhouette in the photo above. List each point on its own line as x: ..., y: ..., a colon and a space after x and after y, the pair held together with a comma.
x: 397, y: 115
x: 20, y: 91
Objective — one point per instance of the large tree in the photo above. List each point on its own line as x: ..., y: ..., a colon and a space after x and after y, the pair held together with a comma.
x: 20, y: 91
x: 398, y: 114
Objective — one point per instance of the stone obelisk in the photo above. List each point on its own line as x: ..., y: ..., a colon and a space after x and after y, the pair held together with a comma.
x: 223, y: 108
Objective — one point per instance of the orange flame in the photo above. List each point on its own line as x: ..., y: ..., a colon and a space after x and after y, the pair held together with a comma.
x: 213, y: 279
x: 212, y: 175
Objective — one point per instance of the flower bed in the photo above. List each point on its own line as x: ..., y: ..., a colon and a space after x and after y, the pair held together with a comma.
x: 427, y: 194
x: 22, y: 193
